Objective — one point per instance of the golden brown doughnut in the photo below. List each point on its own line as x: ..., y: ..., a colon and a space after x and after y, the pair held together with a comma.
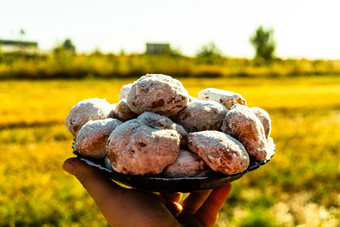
x: 187, y: 164
x: 123, y: 111
x: 157, y: 93
x: 137, y: 149
x: 242, y: 124
x: 157, y: 121
x: 263, y: 116
x: 226, y: 98
x: 85, y: 110
x: 220, y: 151
x: 92, y: 137
x: 202, y: 115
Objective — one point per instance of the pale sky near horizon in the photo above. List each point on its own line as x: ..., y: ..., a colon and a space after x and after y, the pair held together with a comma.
x: 302, y: 28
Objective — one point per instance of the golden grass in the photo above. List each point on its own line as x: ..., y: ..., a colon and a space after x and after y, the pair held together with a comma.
x: 68, y: 65
x: 300, y: 185
x: 50, y: 101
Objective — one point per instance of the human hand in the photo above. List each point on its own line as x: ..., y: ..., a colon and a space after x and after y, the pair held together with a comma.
x: 132, y: 207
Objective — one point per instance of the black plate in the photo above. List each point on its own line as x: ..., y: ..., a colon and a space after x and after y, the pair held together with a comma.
x: 159, y: 183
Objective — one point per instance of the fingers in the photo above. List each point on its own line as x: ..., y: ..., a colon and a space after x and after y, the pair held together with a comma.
x: 171, y: 202
x: 121, y: 207
x: 207, y: 214
x: 105, y: 192
x: 173, y: 197
x: 195, y: 200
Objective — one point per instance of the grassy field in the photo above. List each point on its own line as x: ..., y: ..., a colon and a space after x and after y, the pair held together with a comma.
x: 300, y: 185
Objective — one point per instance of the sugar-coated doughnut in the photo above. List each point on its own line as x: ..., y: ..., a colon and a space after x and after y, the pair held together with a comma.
x: 187, y: 164
x: 263, y: 116
x: 83, y: 111
x: 242, y: 124
x: 202, y: 115
x: 113, y: 112
x: 92, y: 137
x: 157, y: 93
x: 220, y: 151
x: 124, y: 91
x: 137, y: 149
x: 226, y: 98
x: 123, y: 111
x: 157, y: 121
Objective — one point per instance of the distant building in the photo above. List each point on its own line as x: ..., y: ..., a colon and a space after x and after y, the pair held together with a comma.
x: 8, y: 46
x: 157, y: 48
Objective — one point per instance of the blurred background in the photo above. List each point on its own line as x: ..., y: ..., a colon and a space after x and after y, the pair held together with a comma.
x: 283, y: 56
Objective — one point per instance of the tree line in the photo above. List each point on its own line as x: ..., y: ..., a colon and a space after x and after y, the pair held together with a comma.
x: 262, y: 41
x: 209, y: 61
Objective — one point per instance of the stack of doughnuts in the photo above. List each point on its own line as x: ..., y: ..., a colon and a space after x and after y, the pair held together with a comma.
x: 157, y: 128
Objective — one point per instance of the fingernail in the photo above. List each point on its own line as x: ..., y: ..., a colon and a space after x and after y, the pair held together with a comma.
x: 69, y: 167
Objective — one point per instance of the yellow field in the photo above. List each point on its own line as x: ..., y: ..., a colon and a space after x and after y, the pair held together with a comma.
x: 300, y: 185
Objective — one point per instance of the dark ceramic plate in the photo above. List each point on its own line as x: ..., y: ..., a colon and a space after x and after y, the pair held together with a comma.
x: 159, y: 183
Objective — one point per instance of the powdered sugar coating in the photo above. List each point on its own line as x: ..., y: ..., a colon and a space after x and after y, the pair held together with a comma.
x: 187, y: 164
x: 124, y: 91
x: 113, y: 112
x: 226, y: 98
x: 92, y: 137
x: 220, y: 151
x: 202, y: 115
x: 157, y: 93
x: 157, y: 121
x: 263, y: 116
x: 123, y: 111
x: 242, y: 124
x: 137, y: 149
x: 86, y: 110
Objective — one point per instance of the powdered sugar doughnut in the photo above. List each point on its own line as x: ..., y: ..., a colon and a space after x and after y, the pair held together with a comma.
x: 124, y: 91
x: 113, y: 112
x: 220, y: 151
x: 157, y: 121
x: 187, y: 164
x: 226, y: 98
x: 135, y: 148
x: 157, y: 93
x: 123, y: 111
x: 202, y: 115
x: 92, y: 137
x: 263, y: 116
x: 83, y: 111
x: 242, y: 124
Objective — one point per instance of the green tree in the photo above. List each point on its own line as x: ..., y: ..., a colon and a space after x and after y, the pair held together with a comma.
x: 69, y: 46
x: 66, y: 47
x: 264, y: 44
x: 209, y: 54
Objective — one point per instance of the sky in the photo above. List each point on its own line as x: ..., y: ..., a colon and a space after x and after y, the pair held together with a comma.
x: 302, y: 28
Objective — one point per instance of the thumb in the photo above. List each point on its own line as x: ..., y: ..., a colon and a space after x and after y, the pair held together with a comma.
x: 85, y: 174
x: 92, y: 179
x: 103, y: 190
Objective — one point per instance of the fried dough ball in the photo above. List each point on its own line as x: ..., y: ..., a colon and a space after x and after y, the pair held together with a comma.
x: 92, y: 137
x: 226, y: 98
x: 202, y: 115
x: 157, y: 93
x: 124, y: 91
x: 113, y: 112
x: 137, y: 149
x: 220, y: 151
x: 123, y: 111
x: 192, y: 99
x: 187, y: 164
x: 242, y: 124
x: 157, y: 121
x: 263, y: 116
x: 83, y: 111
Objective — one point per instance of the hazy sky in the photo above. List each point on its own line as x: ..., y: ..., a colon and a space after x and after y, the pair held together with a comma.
x: 302, y: 28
